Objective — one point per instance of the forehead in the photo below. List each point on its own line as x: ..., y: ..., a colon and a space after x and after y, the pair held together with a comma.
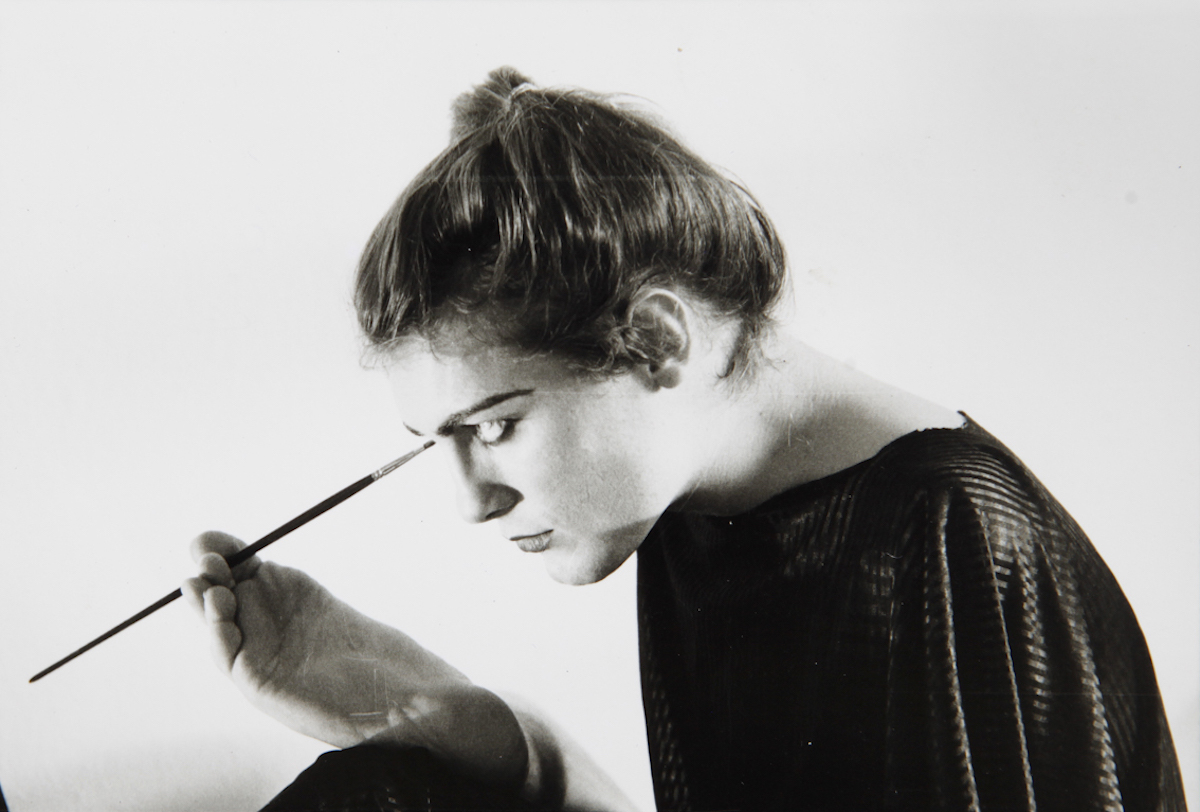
x: 468, y: 363
x: 433, y: 379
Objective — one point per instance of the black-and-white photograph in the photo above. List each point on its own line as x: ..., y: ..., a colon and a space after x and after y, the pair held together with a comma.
x: 599, y: 405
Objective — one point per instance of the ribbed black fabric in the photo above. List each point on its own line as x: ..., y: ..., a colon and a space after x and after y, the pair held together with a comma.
x: 374, y: 778
x: 927, y: 630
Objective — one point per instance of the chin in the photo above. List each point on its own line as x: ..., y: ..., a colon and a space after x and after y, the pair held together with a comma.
x: 570, y: 567
x: 573, y: 574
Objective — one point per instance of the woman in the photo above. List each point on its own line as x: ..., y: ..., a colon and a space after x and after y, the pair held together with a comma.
x: 849, y: 598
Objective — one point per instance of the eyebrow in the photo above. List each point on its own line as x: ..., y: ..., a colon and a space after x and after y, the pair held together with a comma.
x: 455, y: 420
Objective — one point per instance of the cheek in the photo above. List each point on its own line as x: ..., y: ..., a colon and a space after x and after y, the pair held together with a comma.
x: 603, y: 477
x: 589, y: 461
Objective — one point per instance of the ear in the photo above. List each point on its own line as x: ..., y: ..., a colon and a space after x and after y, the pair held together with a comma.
x: 658, y: 331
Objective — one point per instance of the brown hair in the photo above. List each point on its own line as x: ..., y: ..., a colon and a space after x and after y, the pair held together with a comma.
x: 548, y: 214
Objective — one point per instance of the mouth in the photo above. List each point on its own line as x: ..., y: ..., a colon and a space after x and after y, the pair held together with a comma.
x: 533, y: 544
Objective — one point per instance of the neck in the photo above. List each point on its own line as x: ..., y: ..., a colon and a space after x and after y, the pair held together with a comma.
x: 802, y: 416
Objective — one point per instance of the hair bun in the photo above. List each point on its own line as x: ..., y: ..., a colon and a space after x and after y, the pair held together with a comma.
x: 484, y: 102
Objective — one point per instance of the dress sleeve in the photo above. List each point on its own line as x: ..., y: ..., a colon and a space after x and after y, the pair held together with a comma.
x: 1038, y: 689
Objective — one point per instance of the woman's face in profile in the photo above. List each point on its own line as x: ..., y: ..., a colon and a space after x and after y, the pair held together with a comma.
x: 573, y: 468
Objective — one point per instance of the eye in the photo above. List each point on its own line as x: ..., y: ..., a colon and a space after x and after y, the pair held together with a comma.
x: 490, y: 432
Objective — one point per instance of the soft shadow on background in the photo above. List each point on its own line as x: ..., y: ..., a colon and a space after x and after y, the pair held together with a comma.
x: 994, y: 205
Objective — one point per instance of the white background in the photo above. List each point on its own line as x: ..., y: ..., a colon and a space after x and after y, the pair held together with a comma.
x: 996, y: 206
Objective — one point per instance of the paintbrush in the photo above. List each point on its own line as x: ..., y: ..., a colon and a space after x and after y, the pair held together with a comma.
x: 245, y: 553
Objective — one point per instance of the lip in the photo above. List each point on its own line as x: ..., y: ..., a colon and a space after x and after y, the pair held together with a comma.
x: 535, y: 543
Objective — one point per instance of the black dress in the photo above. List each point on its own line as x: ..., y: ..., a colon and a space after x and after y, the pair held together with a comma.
x: 927, y: 630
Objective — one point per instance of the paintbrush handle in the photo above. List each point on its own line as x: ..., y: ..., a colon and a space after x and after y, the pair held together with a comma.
x: 149, y: 610
x: 245, y: 553
x: 304, y: 518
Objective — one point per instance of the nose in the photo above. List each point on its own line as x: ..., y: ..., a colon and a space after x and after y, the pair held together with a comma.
x: 481, y: 494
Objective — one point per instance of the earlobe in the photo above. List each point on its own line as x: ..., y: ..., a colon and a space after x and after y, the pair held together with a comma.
x: 666, y: 376
x: 658, y: 331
